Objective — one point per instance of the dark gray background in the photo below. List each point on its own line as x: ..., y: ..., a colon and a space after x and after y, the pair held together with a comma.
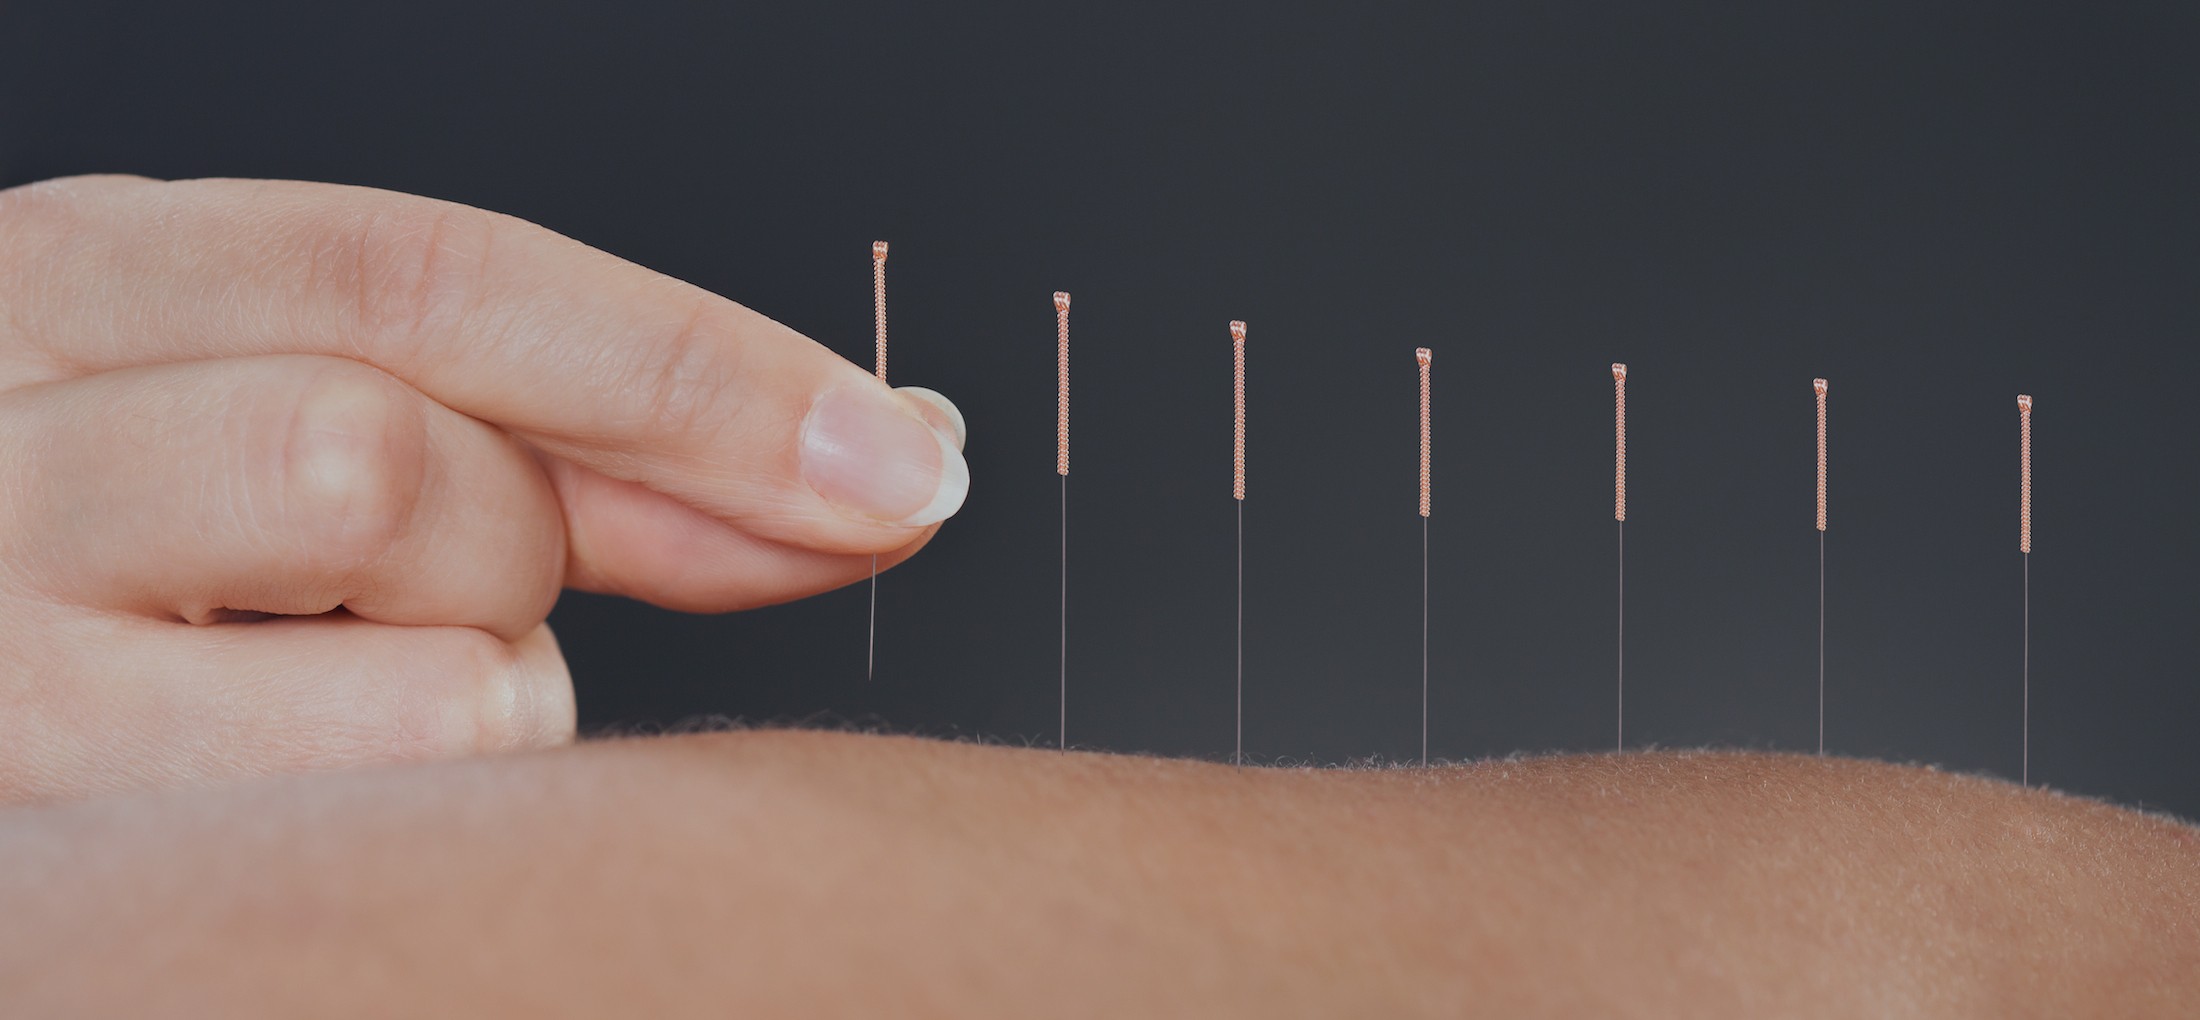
x: 1935, y: 206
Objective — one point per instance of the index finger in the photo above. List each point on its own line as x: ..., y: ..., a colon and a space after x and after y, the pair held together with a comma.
x: 591, y: 358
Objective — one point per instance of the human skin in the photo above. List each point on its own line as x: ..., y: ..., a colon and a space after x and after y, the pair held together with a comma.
x: 291, y: 474
x: 821, y: 875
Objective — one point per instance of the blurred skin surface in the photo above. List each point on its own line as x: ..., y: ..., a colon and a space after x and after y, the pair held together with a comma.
x: 813, y: 874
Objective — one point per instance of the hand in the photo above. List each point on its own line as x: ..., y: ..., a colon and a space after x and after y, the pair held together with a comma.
x: 291, y: 474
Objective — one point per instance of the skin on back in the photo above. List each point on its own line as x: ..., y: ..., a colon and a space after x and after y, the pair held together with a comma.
x: 773, y: 873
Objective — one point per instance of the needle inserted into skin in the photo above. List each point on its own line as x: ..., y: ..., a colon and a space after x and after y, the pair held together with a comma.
x: 1619, y: 513
x: 1422, y: 356
x: 2024, y: 546
x: 1819, y: 386
x: 1061, y: 467
x: 878, y: 304
x: 1237, y: 492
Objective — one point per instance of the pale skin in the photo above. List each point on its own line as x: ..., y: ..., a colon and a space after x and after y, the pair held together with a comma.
x: 403, y: 425
x: 296, y: 471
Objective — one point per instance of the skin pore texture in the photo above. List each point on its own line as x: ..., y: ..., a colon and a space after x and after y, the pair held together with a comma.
x: 777, y: 873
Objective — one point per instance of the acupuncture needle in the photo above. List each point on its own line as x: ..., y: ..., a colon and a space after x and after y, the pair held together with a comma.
x: 2024, y: 547
x: 1619, y: 513
x: 1422, y: 356
x: 1237, y: 491
x: 878, y: 304
x: 1819, y: 386
x: 1061, y: 467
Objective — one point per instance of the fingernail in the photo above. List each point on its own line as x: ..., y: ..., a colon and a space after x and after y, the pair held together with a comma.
x: 946, y: 408
x: 869, y: 453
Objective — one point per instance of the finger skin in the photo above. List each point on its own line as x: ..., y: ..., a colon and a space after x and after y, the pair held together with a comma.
x: 150, y: 704
x: 284, y: 484
x: 629, y: 373
x: 627, y: 540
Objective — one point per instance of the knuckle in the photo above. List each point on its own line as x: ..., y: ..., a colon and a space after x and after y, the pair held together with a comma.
x: 409, y: 269
x: 688, y: 374
x: 354, y: 460
x: 519, y: 700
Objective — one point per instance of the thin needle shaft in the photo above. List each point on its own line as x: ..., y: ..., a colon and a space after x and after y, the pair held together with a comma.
x: 1818, y: 386
x: 1237, y: 491
x: 1619, y: 513
x: 1061, y: 467
x: 2024, y: 545
x: 878, y: 306
x: 1062, y: 740
x: 1422, y: 356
